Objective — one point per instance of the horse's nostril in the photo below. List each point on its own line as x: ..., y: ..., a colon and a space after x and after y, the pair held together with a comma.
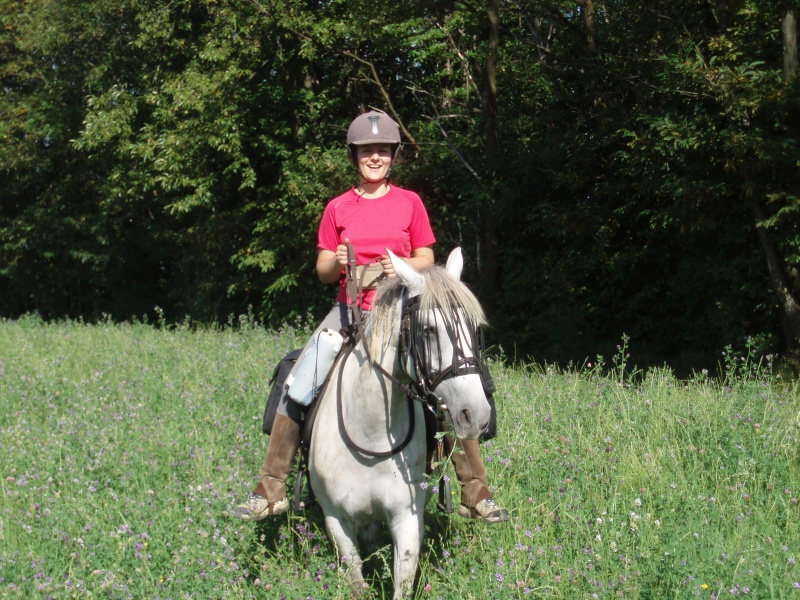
x: 467, y: 416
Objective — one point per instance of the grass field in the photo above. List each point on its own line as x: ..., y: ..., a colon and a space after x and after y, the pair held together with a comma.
x: 122, y: 447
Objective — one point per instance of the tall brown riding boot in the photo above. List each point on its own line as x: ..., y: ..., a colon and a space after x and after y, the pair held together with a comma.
x: 269, y: 497
x: 476, y: 499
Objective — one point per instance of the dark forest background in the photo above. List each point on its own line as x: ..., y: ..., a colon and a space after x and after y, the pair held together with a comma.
x: 610, y: 167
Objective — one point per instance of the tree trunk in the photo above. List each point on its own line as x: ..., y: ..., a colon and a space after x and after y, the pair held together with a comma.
x: 489, y: 275
x: 789, y: 29
x: 787, y: 303
x: 587, y: 14
x: 491, y: 83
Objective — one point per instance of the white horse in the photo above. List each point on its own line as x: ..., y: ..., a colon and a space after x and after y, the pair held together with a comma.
x: 368, y: 450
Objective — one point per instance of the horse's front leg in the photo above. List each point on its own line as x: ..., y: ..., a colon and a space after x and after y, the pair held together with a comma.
x: 407, y: 541
x: 344, y: 538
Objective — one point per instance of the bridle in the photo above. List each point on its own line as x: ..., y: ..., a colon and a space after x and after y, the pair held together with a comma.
x: 416, y: 351
x: 414, y: 343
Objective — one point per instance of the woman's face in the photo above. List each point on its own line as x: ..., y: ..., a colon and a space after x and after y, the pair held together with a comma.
x: 374, y: 162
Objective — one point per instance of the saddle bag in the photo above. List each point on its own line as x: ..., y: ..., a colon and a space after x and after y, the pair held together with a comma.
x: 277, y: 382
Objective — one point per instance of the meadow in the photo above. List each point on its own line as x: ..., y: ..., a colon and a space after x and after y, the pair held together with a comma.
x: 123, y: 446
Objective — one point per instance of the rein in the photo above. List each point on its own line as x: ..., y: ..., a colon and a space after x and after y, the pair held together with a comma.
x: 340, y: 414
x: 354, y: 290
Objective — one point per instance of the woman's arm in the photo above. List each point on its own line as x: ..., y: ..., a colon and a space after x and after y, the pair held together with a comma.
x: 330, y: 264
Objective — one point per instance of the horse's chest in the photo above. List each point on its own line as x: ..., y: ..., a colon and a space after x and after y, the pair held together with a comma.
x: 348, y: 473
x: 366, y: 488
x: 349, y: 482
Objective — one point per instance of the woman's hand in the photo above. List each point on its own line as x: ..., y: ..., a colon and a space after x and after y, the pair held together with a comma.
x: 330, y: 265
x: 341, y: 253
x: 387, y: 266
x: 421, y: 259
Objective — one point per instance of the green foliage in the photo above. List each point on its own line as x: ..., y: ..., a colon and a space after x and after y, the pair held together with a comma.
x: 180, y: 155
x: 658, y: 159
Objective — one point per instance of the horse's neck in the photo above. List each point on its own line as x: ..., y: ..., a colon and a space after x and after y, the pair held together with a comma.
x: 373, y: 396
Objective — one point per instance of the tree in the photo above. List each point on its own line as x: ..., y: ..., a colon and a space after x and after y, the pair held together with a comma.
x: 600, y: 162
x: 711, y: 142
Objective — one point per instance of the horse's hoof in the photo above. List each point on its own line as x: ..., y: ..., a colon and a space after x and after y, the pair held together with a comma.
x: 258, y: 508
x: 487, y: 510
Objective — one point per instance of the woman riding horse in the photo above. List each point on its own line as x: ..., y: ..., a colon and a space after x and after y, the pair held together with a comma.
x: 371, y: 217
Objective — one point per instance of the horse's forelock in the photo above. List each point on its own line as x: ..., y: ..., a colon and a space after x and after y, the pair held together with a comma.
x: 441, y: 290
x: 384, y: 305
x: 448, y: 294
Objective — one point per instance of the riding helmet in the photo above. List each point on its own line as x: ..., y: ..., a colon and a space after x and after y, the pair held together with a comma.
x: 373, y: 128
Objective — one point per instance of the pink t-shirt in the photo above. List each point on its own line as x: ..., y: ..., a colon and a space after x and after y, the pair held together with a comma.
x: 397, y: 221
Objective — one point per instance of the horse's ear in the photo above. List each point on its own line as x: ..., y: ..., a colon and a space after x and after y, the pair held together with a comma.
x: 413, y: 279
x: 455, y: 263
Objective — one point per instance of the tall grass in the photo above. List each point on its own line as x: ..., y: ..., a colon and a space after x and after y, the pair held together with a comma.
x: 122, y: 448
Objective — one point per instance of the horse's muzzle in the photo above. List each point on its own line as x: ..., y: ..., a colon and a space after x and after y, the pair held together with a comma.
x: 470, y: 422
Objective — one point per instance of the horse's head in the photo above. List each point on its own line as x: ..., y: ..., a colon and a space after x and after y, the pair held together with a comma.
x: 442, y: 341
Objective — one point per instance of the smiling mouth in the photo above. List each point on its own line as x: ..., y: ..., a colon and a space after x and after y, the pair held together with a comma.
x: 375, y: 170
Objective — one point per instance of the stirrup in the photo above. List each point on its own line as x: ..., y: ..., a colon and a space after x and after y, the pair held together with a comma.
x: 445, y: 495
x: 301, y: 503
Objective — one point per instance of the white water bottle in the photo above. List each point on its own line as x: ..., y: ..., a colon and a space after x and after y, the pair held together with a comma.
x: 314, y: 366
